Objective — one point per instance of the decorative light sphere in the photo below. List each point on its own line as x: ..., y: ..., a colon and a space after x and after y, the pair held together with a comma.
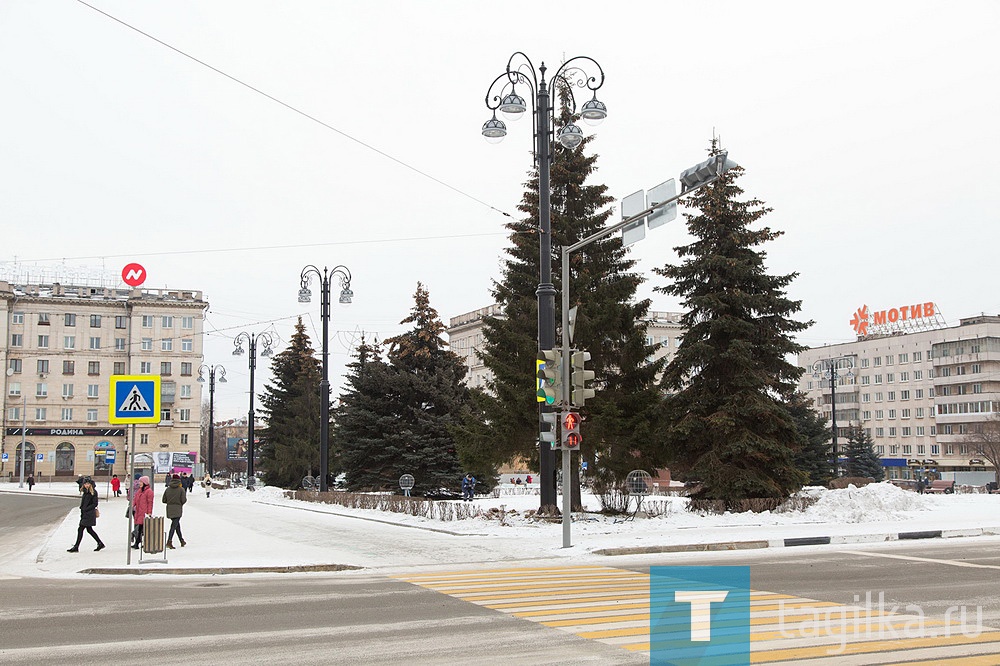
x: 494, y: 130
x: 570, y: 136
x: 513, y: 106
x: 594, y: 112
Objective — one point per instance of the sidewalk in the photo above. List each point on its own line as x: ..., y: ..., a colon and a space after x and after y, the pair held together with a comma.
x: 236, y: 531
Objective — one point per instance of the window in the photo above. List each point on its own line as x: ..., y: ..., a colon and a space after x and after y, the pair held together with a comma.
x: 167, y: 321
x: 165, y: 367
x: 42, y: 365
x: 976, y: 368
x: 70, y: 319
x: 904, y: 358
x: 889, y: 378
x: 188, y: 323
x: 945, y: 372
x: 908, y: 432
x: 918, y: 394
x: 904, y: 376
x: 17, y: 339
x: 918, y: 374
x: 119, y: 368
x: 147, y: 321
x: 878, y: 379
x: 39, y: 413
x: 14, y: 414
x: 878, y: 397
x: 67, y: 390
x: 864, y: 363
x: 43, y: 341
x: 184, y: 439
x: 921, y: 449
x: 14, y: 388
x: 93, y: 390
x: 67, y: 414
x: 145, y: 368
x: 17, y: 318
x: 905, y: 413
x: 889, y: 359
x: 945, y: 390
x: 185, y: 390
x: 119, y: 344
x: 43, y: 318
x: 866, y: 397
x: 918, y: 356
x: 893, y: 449
x: 93, y: 367
x: 961, y: 389
x: 866, y: 380
x: 41, y: 390
x: 186, y: 369
x: 904, y: 395
x: 866, y: 415
x: 977, y: 388
x: 15, y: 365
x: 95, y: 343
x: 920, y: 433
x: 91, y: 416
x: 877, y: 361
x: 891, y: 396
x: 165, y: 415
x: 959, y: 369
x: 879, y: 414
x: 144, y: 439
x: 187, y: 344
x: 892, y: 413
x: 880, y: 432
x: 121, y: 322
x: 69, y: 342
x: 920, y: 412
x: 930, y: 392
x: 147, y: 344
x: 167, y: 344
x: 185, y: 415
x: 95, y: 321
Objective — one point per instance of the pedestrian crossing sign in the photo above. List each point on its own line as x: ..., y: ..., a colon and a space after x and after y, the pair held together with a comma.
x: 134, y: 399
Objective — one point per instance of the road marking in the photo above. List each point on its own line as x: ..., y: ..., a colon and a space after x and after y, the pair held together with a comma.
x: 612, y: 606
x: 911, y: 558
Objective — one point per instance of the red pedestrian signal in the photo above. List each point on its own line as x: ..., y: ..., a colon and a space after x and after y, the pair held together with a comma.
x: 571, y: 437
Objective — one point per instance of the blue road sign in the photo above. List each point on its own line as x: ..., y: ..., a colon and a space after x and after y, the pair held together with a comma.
x: 40, y: 457
x: 109, y: 456
x: 134, y: 399
x: 5, y: 457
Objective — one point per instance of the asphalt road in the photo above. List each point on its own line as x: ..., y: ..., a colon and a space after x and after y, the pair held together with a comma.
x: 364, y: 617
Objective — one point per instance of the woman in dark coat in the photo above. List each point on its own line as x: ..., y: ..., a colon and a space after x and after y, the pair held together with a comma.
x: 174, y: 496
x: 88, y: 515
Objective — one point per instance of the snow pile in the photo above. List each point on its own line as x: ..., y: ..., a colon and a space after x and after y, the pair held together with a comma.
x: 876, y: 502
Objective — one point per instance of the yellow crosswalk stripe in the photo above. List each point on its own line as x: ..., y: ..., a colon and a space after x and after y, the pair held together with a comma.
x: 612, y: 606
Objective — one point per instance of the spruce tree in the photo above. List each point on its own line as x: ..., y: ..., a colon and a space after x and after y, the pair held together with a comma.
x: 726, y: 424
x: 608, y: 324
x: 396, y: 417
x: 290, y: 406
x: 813, y: 456
x: 861, y: 457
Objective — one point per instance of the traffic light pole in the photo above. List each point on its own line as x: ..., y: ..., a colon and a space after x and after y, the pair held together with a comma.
x: 566, y: 342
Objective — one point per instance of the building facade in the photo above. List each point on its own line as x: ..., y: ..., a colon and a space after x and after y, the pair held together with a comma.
x: 921, y: 394
x: 465, y: 338
x: 62, y: 343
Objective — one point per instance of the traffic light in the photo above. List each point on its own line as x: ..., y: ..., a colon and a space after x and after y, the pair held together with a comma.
x: 548, y: 429
x: 571, y: 437
x: 549, y: 373
x: 579, y: 378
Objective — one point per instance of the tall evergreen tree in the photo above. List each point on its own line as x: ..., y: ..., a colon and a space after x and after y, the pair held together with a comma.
x: 396, y: 417
x: 813, y: 455
x: 608, y: 324
x: 726, y: 423
x: 290, y: 406
x: 861, y: 457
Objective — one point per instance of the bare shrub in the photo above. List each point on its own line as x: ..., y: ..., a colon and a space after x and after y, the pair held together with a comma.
x: 844, y: 481
x: 380, y: 501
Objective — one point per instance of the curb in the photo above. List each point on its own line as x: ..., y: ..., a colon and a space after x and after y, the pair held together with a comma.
x: 214, y: 571
x: 791, y: 542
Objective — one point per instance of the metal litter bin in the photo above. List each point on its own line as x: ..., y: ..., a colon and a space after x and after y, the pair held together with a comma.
x: 152, y: 535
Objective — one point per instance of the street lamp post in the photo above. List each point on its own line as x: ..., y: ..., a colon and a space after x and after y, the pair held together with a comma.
x: 212, y: 369
x: 305, y: 296
x: 828, y: 368
x: 252, y: 340
x: 502, y: 95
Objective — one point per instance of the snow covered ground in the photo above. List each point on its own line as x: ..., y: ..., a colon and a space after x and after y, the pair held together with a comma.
x: 237, y: 528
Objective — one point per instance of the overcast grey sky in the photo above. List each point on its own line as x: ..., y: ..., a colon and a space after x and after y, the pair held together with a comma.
x: 870, y: 127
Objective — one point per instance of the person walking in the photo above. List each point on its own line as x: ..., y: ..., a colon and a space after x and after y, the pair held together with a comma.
x: 88, y: 515
x: 207, y: 482
x: 142, y: 506
x: 174, y: 496
x: 116, y: 486
x: 468, y: 487
x: 31, y: 481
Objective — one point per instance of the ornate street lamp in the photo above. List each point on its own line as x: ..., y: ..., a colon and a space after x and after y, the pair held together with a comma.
x: 305, y: 296
x: 828, y: 368
x: 579, y: 72
x: 252, y: 340
x: 212, y: 370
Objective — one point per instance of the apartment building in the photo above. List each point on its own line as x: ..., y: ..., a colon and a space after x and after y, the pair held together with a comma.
x: 918, y: 391
x: 465, y: 338
x: 60, y: 346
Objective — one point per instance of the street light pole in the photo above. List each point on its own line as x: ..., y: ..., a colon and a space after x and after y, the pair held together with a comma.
x: 502, y: 96
x: 305, y: 296
x: 252, y: 340
x: 828, y: 369
x: 211, y: 407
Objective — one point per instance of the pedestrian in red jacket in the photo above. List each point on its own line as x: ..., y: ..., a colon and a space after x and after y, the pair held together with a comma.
x: 142, y: 506
x: 116, y: 485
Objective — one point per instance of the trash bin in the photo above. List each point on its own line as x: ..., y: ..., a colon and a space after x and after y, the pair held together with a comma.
x: 152, y: 534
